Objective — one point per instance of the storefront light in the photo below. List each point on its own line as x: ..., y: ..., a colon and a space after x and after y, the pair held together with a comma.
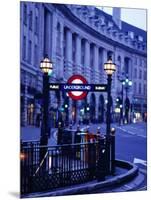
x: 117, y: 110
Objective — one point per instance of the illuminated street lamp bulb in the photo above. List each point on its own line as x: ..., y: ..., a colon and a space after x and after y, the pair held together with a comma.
x: 66, y: 106
x: 88, y: 108
x: 46, y: 66
x: 109, y: 67
x: 121, y: 106
x: 126, y: 80
x: 130, y: 83
x: 123, y: 83
x: 117, y: 100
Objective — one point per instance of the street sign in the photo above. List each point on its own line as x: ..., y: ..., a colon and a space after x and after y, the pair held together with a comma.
x: 78, y: 94
x: 77, y: 87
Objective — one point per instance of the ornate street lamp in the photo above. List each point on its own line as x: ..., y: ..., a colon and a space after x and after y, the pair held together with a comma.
x: 46, y: 67
x: 127, y: 84
x: 110, y: 68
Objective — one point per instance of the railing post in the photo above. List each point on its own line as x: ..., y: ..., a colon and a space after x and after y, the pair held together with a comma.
x: 113, y: 151
x: 101, y: 163
x: 31, y: 162
x: 91, y: 159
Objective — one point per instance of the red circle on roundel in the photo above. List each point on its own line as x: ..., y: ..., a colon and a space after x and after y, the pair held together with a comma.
x: 80, y: 79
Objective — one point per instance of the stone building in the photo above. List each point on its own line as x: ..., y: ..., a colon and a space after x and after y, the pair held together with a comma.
x: 79, y: 40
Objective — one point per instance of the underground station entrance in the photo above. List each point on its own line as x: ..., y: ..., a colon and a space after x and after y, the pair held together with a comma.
x: 78, y: 157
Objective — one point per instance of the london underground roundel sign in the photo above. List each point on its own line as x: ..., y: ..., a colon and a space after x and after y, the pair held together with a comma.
x: 77, y: 79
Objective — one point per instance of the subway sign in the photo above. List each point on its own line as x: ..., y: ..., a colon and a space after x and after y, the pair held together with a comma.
x: 77, y: 87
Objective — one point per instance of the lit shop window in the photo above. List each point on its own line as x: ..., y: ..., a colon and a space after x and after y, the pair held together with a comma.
x: 30, y: 114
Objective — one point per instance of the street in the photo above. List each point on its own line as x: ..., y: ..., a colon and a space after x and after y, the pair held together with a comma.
x: 131, y: 141
x: 131, y: 145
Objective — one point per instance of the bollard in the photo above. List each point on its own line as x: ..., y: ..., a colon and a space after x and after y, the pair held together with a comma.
x: 112, y: 151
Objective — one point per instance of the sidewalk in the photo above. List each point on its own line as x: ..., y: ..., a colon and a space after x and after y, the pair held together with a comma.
x: 31, y: 133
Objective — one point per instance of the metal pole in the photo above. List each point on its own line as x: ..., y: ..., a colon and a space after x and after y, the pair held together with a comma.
x: 113, y: 151
x: 108, y: 122
x: 122, y: 104
x: 45, y: 129
x: 126, y: 106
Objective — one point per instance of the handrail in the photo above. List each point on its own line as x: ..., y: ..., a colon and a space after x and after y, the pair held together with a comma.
x: 63, y: 145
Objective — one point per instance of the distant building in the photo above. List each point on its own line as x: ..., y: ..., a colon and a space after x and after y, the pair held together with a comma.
x: 79, y: 40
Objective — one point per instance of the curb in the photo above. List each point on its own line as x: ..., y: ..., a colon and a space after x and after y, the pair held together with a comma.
x: 89, y: 187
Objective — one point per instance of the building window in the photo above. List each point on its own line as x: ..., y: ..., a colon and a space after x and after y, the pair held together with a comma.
x: 101, y: 59
x: 145, y: 75
x: 140, y: 62
x: 25, y: 14
x: 82, y: 52
x: 24, y: 48
x: 140, y: 89
x: 135, y: 61
x: 140, y: 74
x: 131, y: 34
x: 91, y: 55
x: 135, y: 73
x: 143, y: 63
x: 58, y: 50
x: 35, y: 55
x: 144, y: 89
x: 74, y: 48
x: 36, y: 25
x: 135, y: 88
x: 29, y: 52
x: 126, y: 65
x: 30, y: 20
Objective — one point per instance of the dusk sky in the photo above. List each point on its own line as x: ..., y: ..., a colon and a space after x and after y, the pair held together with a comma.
x: 136, y: 17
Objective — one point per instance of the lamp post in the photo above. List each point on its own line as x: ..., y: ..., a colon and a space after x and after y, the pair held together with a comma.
x: 127, y: 84
x: 121, y: 106
x: 110, y: 68
x: 46, y: 68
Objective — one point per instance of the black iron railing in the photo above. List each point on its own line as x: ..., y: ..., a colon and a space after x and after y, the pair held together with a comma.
x: 61, y: 165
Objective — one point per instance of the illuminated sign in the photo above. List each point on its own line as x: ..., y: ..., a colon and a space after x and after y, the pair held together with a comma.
x: 77, y: 87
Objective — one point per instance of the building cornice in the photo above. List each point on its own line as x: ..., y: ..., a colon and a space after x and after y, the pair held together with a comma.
x: 74, y: 19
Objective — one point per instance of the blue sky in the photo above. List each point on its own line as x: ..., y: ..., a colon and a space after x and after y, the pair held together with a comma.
x: 136, y: 17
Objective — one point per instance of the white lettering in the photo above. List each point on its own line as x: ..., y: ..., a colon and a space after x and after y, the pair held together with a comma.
x: 77, y: 87
x: 54, y: 86
x: 99, y: 88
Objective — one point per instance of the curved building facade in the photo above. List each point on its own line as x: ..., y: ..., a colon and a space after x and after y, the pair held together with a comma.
x: 79, y: 40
